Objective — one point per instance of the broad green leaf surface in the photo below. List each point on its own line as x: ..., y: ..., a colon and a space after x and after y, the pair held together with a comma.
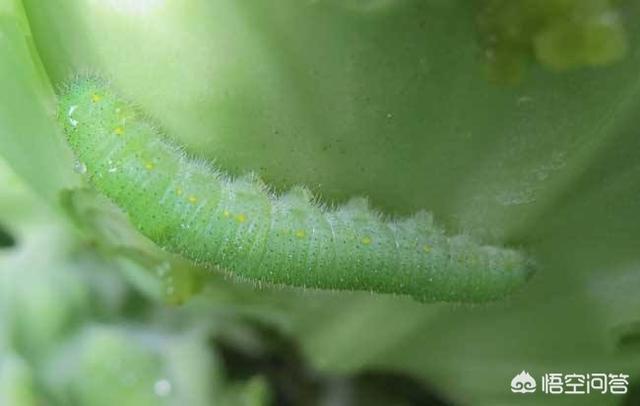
x: 387, y: 100
x: 28, y: 141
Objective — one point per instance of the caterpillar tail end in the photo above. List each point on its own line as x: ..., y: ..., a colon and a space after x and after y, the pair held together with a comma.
x: 505, y: 274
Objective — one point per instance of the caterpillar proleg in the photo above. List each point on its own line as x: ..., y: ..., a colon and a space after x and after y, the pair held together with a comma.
x: 193, y: 209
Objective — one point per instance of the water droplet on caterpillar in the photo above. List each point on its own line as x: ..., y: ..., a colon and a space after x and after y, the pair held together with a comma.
x: 111, y: 167
x: 80, y: 167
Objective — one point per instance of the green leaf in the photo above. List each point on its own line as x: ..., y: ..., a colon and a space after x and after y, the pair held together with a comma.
x: 28, y: 140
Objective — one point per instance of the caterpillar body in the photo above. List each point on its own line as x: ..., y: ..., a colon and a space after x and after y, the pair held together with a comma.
x: 239, y: 225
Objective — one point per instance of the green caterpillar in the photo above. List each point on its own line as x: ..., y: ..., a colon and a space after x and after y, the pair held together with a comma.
x: 239, y: 225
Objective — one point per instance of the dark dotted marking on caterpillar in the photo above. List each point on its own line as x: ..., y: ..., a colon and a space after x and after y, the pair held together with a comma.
x: 239, y: 225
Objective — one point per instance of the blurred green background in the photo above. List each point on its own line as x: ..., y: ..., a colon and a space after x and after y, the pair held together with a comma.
x: 516, y: 122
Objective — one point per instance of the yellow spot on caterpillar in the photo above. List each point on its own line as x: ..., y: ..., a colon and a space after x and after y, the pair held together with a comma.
x: 192, y: 199
x: 426, y: 248
x: 118, y: 131
x: 366, y: 240
x: 226, y: 214
x: 300, y: 233
x: 241, y: 218
x: 178, y: 192
x: 96, y: 97
x: 149, y: 166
